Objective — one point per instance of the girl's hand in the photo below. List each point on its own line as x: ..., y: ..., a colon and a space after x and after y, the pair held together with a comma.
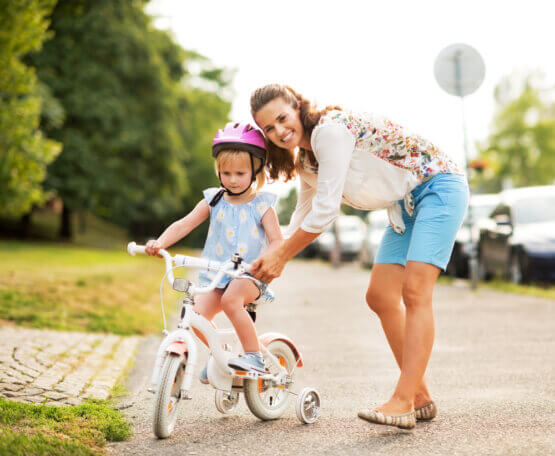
x: 152, y: 248
x: 268, y: 266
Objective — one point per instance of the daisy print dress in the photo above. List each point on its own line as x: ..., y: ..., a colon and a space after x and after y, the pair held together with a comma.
x: 235, y: 228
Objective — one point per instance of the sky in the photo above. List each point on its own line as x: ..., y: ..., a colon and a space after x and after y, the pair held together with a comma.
x: 371, y: 56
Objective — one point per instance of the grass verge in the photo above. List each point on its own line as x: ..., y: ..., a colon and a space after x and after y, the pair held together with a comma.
x: 28, y: 429
x: 535, y: 290
x: 64, y: 287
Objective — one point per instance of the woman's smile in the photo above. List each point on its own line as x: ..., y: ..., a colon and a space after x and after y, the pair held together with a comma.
x: 287, y: 137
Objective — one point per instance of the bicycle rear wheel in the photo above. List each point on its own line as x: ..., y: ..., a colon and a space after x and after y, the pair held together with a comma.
x: 265, y: 400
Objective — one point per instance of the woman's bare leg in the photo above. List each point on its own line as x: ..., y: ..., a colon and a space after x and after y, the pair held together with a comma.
x: 239, y: 293
x: 207, y: 305
x: 384, y: 297
x: 418, y: 285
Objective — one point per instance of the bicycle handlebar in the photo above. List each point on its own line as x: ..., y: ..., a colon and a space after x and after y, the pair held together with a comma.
x: 193, y: 262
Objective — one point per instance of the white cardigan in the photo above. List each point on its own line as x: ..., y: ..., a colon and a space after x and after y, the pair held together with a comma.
x: 366, y: 162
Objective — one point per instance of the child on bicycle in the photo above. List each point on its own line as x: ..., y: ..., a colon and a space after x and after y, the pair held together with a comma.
x: 243, y: 221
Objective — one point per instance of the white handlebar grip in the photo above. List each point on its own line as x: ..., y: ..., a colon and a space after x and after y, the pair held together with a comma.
x: 133, y: 248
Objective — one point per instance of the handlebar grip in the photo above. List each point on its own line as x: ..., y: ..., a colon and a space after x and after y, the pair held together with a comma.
x: 133, y: 248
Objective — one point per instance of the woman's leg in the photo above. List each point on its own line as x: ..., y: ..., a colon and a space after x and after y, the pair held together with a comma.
x: 207, y: 305
x: 418, y: 284
x: 239, y: 293
x: 384, y: 298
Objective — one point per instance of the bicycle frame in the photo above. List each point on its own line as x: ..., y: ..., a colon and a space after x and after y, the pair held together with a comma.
x: 182, y: 340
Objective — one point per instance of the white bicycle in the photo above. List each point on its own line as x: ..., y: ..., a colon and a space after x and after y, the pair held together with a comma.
x: 267, y: 395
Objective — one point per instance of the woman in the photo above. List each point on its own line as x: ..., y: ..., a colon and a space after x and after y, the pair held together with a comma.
x: 368, y: 162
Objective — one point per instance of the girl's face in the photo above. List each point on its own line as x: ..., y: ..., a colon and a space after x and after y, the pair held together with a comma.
x: 281, y: 123
x: 236, y: 173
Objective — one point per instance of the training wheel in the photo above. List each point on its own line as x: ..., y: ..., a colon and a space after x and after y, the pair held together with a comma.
x: 308, y: 405
x: 226, y: 401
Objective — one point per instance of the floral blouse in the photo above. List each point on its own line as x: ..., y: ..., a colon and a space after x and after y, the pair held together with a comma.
x: 367, y: 162
x: 390, y: 141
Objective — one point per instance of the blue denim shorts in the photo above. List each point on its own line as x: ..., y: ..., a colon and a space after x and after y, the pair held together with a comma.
x: 440, y: 206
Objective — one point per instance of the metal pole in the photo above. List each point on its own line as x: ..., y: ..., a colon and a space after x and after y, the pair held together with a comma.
x: 473, y: 254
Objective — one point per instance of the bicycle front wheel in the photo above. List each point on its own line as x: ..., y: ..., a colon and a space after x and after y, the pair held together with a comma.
x: 168, y: 396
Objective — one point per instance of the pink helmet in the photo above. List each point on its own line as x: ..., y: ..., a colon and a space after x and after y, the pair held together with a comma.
x: 242, y: 136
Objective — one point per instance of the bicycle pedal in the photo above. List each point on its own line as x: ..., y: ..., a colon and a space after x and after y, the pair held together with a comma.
x: 248, y: 374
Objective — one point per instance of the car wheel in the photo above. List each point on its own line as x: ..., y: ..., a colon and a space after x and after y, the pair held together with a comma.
x: 483, y: 273
x: 364, y: 257
x: 517, y: 268
x: 451, y: 269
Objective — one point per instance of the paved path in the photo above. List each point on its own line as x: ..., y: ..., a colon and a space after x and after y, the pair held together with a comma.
x: 491, y: 373
x: 62, y: 367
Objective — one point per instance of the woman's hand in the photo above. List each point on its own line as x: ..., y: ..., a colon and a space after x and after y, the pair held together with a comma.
x: 152, y: 248
x: 269, y: 266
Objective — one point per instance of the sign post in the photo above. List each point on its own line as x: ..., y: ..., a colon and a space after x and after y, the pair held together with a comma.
x: 459, y: 70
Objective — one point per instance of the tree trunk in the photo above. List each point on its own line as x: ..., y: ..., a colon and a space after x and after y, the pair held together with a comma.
x: 66, y: 231
x: 25, y: 225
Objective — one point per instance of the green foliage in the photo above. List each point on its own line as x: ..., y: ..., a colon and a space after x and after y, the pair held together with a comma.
x: 521, y: 147
x: 24, y: 152
x: 47, y: 429
x: 131, y: 133
x: 286, y: 206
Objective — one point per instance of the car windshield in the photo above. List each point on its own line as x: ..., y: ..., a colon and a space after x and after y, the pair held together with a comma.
x: 534, y: 210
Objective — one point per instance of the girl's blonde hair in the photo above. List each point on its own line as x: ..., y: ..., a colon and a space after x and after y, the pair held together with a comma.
x: 227, y: 156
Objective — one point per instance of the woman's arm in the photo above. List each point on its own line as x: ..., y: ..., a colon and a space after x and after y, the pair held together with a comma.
x: 179, y: 229
x: 271, y: 264
x: 334, y: 145
x: 303, y: 206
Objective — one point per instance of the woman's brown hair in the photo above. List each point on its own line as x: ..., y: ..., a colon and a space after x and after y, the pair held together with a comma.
x: 281, y: 162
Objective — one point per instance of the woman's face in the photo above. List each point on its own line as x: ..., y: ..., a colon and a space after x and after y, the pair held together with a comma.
x: 281, y: 123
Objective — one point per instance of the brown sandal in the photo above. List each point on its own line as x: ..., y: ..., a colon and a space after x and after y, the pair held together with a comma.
x: 402, y: 421
x: 426, y: 412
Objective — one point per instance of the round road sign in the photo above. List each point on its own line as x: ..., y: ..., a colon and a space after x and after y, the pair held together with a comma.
x: 459, y: 69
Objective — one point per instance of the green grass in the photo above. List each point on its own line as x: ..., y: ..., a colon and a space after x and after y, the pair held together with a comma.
x: 27, y: 429
x: 528, y: 290
x: 535, y: 290
x: 65, y: 287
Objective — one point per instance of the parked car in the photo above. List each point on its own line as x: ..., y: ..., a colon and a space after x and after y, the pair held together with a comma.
x: 518, y: 239
x: 377, y: 223
x: 480, y: 208
x: 351, y: 234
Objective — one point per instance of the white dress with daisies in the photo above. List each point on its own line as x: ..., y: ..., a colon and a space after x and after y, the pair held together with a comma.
x: 235, y: 228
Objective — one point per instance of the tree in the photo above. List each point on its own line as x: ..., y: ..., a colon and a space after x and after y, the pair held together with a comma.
x: 521, y: 147
x: 286, y: 206
x: 120, y: 82
x: 24, y: 152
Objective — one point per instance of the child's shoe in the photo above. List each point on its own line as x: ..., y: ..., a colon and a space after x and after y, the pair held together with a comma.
x: 203, y: 377
x: 250, y: 361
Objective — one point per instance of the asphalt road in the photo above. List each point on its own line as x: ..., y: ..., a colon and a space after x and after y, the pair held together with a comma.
x: 491, y: 375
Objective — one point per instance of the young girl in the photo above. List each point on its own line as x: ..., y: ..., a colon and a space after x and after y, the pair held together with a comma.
x: 243, y: 221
